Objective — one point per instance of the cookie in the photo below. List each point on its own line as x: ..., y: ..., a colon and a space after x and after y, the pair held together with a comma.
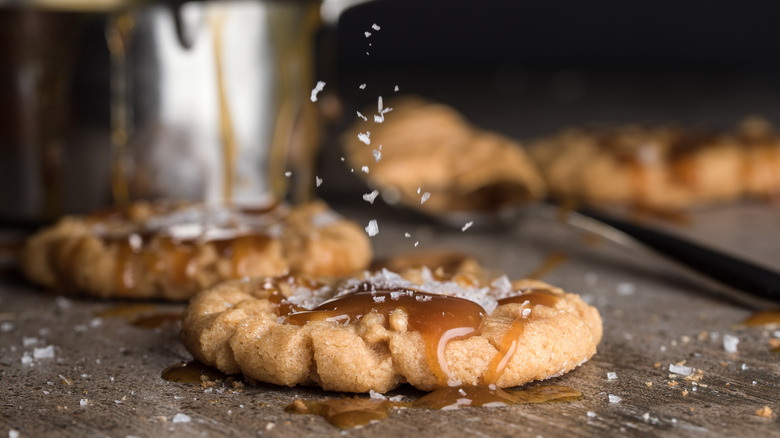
x: 667, y: 168
x: 423, y: 147
x: 382, y: 329
x: 166, y: 251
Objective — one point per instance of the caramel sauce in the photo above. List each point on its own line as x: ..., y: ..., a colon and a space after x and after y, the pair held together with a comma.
x: 142, y: 315
x: 191, y: 372
x: 225, y: 121
x: 549, y: 264
x: 143, y: 249
x: 157, y: 320
x: 118, y: 33
x: 765, y: 317
x: 128, y: 312
x: 440, y: 319
x: 347, y: 413
x: 508, y: 347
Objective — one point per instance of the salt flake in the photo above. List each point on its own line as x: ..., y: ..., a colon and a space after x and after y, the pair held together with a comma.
x: 318, y: 181
x: 614, y: 399
x: 362, y: 86
x: 317, y: 88
x: 375, y: 26
x: 373, y: 228
x: 370, y: 197
x: 424, y: 197
x: 181, y: 418
x: 611, y: 375
x: 377, y: 155
x: 680, y: 369
x: 359, y: 114
x: 364, y: 169
x: 730, y: 343
x: 467, y: 225
x: 44, y: 353
x: 365, y: 137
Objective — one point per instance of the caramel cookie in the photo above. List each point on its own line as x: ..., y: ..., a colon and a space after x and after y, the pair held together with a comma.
x: 170, y: 252
x: 660, y: 167
x: 377, y: 331
x: 429, y: 157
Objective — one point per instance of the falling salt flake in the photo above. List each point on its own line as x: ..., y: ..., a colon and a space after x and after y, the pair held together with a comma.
x: 680, y: 369
x: 44, y: 353
x: 730, y: 343
x: 424, y: 197
x: 318, y: 181
x: 369, y: 197
x: 342, y: 159
x: 626, y: 289
x: 379, y: 104
x: 359, y: 114
x: 373, y: 228
x: 611, y: 375
x: 375, y: 26
x: 63, y: 303
x: 29, y: 341
x: 396, y: 88
x: 317, y: 88
x: 26, y: 358
x: 288, y: 174
x: 591, y: 414
x: 419, y: 190
x: 379, y: 118
x: 365, y: 137
x: 181, y: 418
x: 416, y: 243
x: 362, y: 86
x: 614, y: 399
x: 6, y: 327
x: 407, y: 235
x: 364, y: 169
x: 377, y: 155
x: 13, y: 433
x: 84, y: 402
x: 367, y: 34
x: 467, y: 225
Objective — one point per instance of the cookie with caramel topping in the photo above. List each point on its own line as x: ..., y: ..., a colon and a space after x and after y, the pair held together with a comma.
x: 663, y: 167
x: 166, y: 251
x: 382, y: 329
x: 422, y: 146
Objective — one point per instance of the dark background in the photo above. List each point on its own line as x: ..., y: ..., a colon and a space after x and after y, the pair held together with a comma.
x: 550, y: 64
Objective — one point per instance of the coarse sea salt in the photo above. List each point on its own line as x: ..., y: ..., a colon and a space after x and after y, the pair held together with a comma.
x: 317, y: 88
x: 84, y: 402
x: 181, y: 418
x: 365, y: 137
x: 680, y: 369
x: 362, y: 86
x: 626, y: 289
x: 611, y: 375
x: 730, y: 343
x: 44, y: 353
x: 373, y: 228
x: 614, y: 399
x: 424, y: 197
x: 467, y: 225
x: 318, y: 181
x: 13, y: 433
x: 364, y: 169
x: 377, y: 154
x: 375, y: 26
x: 370, y: 197
x: 359, y: 114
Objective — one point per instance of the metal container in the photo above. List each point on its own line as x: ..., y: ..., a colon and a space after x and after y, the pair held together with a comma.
x: 196, y: 100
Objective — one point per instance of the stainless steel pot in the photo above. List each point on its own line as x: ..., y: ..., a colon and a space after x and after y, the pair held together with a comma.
x: 195, y: 100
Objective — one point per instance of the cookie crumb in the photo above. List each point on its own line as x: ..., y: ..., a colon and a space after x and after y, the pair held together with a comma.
x: 765, y: 412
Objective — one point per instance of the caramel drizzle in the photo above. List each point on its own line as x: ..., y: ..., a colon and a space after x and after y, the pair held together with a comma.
x: 440, y: 319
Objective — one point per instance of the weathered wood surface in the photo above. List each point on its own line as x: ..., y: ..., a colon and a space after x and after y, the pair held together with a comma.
x: 653, y: 314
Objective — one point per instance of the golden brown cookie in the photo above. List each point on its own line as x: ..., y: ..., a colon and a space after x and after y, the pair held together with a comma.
x: 171, y: 252
x: 377, y: 331
x: 660, y: 167
x: 422, y: 147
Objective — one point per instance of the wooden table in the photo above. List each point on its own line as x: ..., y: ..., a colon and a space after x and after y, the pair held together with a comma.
x: 66, y: 371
